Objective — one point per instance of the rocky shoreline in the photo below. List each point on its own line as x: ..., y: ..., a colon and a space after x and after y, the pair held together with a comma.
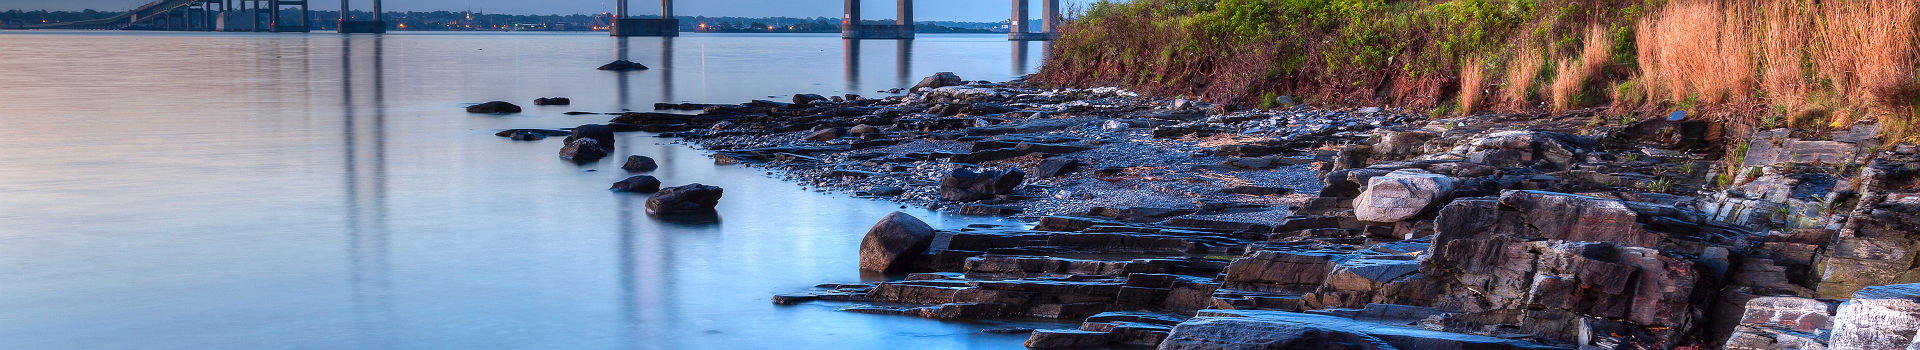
x: 1185, y: 225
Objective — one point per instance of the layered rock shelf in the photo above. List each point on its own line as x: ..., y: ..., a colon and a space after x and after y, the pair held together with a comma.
x: 1183, y: 225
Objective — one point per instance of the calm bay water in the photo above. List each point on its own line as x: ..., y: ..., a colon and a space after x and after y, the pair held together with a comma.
x: 321, y: 191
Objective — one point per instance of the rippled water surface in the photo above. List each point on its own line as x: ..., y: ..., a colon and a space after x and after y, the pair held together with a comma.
x: 321, y: 191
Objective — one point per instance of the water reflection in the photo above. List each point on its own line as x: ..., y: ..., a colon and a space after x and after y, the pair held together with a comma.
x: 365, y: 170
x: 903, y: 63
x: 850, y: 57
x: 303, y: 191
x: 1020, y: 55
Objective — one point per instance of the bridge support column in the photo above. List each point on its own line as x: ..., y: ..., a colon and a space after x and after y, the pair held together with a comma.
x: 349, y: 26
x: 666, y: 25
x: 902, y: 28
x: 1049, y: 23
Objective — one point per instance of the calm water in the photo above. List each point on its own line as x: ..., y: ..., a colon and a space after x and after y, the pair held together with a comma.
x: 260, y: 191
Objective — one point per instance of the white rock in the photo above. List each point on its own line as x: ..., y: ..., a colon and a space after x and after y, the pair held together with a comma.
x: 1400, y: 195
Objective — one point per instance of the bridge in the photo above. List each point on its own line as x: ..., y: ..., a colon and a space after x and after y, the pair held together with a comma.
x: 247, y: 15
x: 202, y: 15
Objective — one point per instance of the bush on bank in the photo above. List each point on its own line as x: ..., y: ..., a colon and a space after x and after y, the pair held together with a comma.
x: 1751, y: 63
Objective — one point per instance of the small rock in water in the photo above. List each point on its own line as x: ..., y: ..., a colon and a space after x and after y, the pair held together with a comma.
x: 527, y: 136
x: 552, y: 101
x: 638, y: 163
x: 642, y: 183
x: 689, y: 199
x: 496, y: 107
x: 597, y: 132
x: 583, y: 151
x: 623, y: 65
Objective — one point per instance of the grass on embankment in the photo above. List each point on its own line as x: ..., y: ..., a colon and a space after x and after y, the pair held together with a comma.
x: 1753, y: 63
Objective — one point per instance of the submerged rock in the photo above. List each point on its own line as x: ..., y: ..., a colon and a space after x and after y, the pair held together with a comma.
x: 690, y: 199
x: 496, y: 107
x: 893, y: 242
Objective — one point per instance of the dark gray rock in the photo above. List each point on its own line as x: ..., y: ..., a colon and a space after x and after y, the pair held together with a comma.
x: 1067, y: 338
x: 552, y: 101
x: 494, y: 107
x: 893, y: 242
x: 801, y: 99
x: 689, y: 199
x: 965, y: 185
x: 638, y: 163
x: 642, y: 183
x: 1052, y: 167
x: 597, y: 132
x: 583, y: 151
x: 623, y: 65
x: 939, y: 80
x: 827, y: 134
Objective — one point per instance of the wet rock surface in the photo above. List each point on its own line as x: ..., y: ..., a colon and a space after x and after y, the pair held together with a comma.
x: 688, y: 199
x: 496, y: 107
x: 1181, y: 224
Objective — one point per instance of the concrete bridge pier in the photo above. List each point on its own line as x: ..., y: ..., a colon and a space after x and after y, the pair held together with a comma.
x: 851, y: 28
x: 1049, y: 23
x: 666, y: 25
x: 278, y: 24
x: 348, y: 26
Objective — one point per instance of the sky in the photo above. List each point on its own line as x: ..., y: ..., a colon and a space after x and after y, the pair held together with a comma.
x: 924, y: 10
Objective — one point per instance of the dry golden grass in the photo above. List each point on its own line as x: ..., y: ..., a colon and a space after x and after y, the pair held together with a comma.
x: 1473, y: 86
x: 1784, y: 46
x: 1572, y: 76
x: 1698, y: 49
x: 1520, y: 73
x: 1869, y: 52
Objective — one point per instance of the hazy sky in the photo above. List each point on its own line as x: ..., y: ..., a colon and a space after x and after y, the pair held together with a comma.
x: 924, y: 10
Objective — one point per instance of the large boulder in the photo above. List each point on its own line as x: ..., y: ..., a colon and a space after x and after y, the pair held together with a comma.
x: 689, y: 199
x: 494, y: 107
x: 1882, y: 317
x: 965, y: 185
x: 939, y: 80
x: 642, y: 183
x: 597, y: 132
x: 1401, y: 195
x: 583, y: 151
x: 1580, y: 218
x: 893, y: 242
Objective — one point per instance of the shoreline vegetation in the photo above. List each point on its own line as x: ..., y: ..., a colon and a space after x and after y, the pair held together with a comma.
x: 1754, y: 64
